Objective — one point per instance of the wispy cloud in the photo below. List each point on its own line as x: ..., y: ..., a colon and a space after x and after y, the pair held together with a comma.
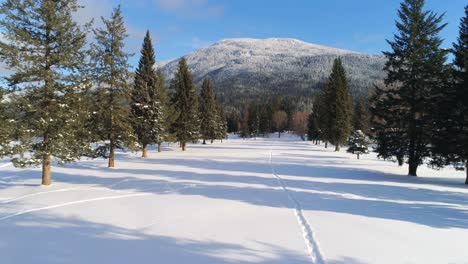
x: 192, y: 8
x: 368, y: 38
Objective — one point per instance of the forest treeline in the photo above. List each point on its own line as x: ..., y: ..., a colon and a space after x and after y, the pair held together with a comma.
x: 69, y: 97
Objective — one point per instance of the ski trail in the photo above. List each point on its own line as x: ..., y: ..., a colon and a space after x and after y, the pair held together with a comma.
x: 66, y: 190
x: 4, y: 165
x: 73, y: 203
x: 312, y: 245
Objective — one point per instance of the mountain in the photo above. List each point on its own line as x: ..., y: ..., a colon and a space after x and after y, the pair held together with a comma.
x: 254, y: 68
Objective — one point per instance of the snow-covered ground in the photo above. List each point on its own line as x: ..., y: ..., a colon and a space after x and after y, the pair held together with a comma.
x: 243, y: 201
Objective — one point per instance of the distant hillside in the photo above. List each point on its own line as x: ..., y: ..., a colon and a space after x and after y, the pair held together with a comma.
x: 254, y: 68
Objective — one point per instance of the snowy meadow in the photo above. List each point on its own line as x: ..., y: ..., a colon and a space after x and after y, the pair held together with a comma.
x: 244, y: 201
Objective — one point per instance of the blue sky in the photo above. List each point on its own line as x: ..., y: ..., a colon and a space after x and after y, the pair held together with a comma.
x: 181, y: 26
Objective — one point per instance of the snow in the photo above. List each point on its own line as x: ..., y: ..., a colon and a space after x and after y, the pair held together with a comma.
x: 242, y: 201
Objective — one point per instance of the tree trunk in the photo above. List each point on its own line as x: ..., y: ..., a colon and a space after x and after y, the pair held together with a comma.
x: 212, y: 141
x: 358, y: 155
x: 204, y: 142
x: 326, y: 144
x: 183, y: 144
x: 337, y: 147
x: 466, y: 171
x: 111, y: 155
x: 400, y: 161
x: 279, y: 134
x: 159, y: 147
x: 145, y: 151
x: 46, y: 166
x: 413, y: 167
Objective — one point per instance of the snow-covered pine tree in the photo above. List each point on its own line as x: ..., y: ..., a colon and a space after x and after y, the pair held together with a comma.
x: 147, y: 108
x: 450, y: 143
x: 209, y: 119
x: 415, y: 71
x: 187, y: 124
x: 358, y: 143
x: 44, y: 48
x: 7, y: 121
x: 111, y: 114
x: 339, y: 105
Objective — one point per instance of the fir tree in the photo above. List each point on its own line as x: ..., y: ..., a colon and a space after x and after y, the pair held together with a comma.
x: 322, y: 114
x: 233, y: 122
x: 244, y: 128
x: 450, y: 144
x: 313, y: 131
x: 44, y: 47
x: 358, y: 143
x: 415, y: 69
x: 7, y: 122
x: 110, y: 69
x: 221, y: 128
x: 146, y: 105
x: 209, y: 119
x: 169, y: 112
x: 362, y: 117
x: 339, y: 106
x: 186, y: 101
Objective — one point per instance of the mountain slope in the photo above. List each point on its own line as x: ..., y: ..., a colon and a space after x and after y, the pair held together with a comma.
x: 258, y: 67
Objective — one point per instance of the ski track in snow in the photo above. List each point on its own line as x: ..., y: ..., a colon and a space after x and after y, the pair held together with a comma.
x: 74, y: 203
x: 311, y: 242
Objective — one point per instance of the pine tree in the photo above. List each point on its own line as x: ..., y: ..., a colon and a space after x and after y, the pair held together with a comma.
x: 7, y: 121
x: 147, y: 108
x: 233, y: 122
x: 313, y: 131
x: 221, y: 128
x: 362, y: 117
x: 450, y: 144
x: 415, y: 69
x: 358, y: 143
x: 110, y: 70
x: 322, y: 114
x: 339, y: 106
x: 244, y: 128
x: 44, y: 47
x: 209, y: 119
x: 187, y: 125
x: 388, y: 125
x: 168, y: 109
x: 254, y: 120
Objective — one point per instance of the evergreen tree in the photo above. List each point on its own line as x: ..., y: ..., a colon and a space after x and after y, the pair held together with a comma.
x: 358, y: 143
x: 254, y: 120
x: 388, y: 125
x: 450, y: 144
x: 147, y: 108
x: 322, y: 114
x: 362, y: 117
x: 169, y: 112
x: 339, y: 106
x: 415, y: 70
x: 244, y: 128
x: 313, y: 131
x: 186, y: 101
x: 44, y: 47
x: 221, y: 128
x: 233, y: 121
x: 110, y: 70
x: 7, y: 122
x: 209, y: 119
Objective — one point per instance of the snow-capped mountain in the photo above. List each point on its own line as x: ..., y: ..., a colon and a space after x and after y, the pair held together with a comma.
x: 253, y: 67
